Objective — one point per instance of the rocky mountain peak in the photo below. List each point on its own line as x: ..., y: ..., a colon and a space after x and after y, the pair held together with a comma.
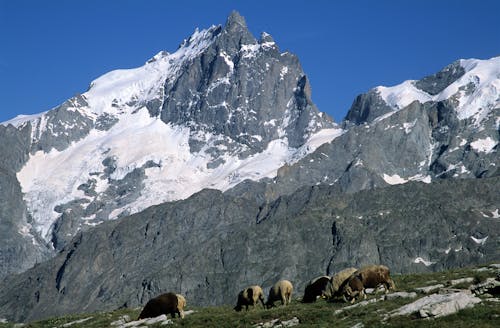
x: 220, y: 109
x: 436, y: 83
x: 235, y: 21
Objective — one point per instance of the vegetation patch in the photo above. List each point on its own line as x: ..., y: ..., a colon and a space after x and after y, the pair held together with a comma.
x: 320, y: 313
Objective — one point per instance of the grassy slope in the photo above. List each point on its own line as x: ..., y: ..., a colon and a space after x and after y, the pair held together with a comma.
x: 319, y: 314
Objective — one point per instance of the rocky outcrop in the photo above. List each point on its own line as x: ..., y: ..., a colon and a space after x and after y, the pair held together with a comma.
x: 438, y: 305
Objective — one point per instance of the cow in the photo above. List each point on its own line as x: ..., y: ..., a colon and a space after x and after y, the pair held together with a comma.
x: 167, y: 303
x: 315, y: 288
x: 249, y: 296
x: 367, y: 277
x: 281, y: 291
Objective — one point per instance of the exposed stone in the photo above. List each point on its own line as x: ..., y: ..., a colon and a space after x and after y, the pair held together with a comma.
x: 396, y: 295
x: 437, y: 305
x: 490, y: 286
x: 76, y: 322
x: 362, y: 303
x: 122, y: 320
x: 358, y: 325
x: 429, y: 289
x: 162, y: 320
x: 461, y: 281
x: 278, y: 323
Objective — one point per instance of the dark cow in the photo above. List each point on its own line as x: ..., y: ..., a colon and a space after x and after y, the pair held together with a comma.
x: 164, y: 304
x: 315, y: 288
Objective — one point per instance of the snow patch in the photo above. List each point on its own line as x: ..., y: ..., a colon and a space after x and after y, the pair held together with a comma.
x: 283, y: 72
x: 19, y: 120
x: 479, y: 241
x: 485, y: 145
x: 402, y: 95
x: 424, y: 262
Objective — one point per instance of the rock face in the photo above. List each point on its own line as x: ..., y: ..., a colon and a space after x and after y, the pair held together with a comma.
x: 19, y: 250
x: 244, y: 89
x: 314, y: 231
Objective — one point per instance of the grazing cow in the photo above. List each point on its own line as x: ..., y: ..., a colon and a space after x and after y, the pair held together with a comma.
x: 315, y: 288
x: 334, y: 286
x: 367, y: 277
x: 250, y: 296
x: 281, y: 291
x: 164, y: 304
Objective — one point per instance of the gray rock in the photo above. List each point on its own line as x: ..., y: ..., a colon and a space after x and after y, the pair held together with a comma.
x: 429, y: 289
x: 61, y: 126
x: 359, y: 304
x: 490, y: 286
x: 358, y: 325
x: 437, y: 305
x: 434, y: 84
x: 461, y: 281
x: 366, y: 108
x: 76, y: 322
x: 396, y: 295
x: 277, y: 323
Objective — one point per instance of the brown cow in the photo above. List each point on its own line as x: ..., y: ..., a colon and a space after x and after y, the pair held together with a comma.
x: 367, y: 277
x: 315, y: 288
x: 163, y: 304
x: 250, y: 296
x: 281, y: 291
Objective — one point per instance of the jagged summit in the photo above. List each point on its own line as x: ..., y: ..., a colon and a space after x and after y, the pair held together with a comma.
x: 266, y: 37
x: 235, y: 21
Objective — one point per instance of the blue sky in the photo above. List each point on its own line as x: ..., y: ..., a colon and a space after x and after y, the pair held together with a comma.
x: 51, y: 50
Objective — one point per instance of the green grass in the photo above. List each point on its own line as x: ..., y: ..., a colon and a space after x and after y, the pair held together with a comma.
x: 319, y: 314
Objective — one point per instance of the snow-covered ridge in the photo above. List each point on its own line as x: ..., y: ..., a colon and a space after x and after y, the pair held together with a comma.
x: 477, y: 91
x: 54, y: 178
x: 21, y: 119
x: 118, y: 89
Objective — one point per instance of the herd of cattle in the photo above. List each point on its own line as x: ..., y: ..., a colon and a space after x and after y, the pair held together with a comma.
x: 350, y: 284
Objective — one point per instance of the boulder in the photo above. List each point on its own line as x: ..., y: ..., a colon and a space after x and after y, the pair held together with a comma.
x: 437, y: 305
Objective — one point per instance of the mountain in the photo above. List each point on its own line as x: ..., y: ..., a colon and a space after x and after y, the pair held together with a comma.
x: 210, y: 168
x: 223, y: 108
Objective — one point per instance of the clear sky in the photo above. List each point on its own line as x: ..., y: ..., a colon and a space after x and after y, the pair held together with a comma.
x: 51, y: 50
